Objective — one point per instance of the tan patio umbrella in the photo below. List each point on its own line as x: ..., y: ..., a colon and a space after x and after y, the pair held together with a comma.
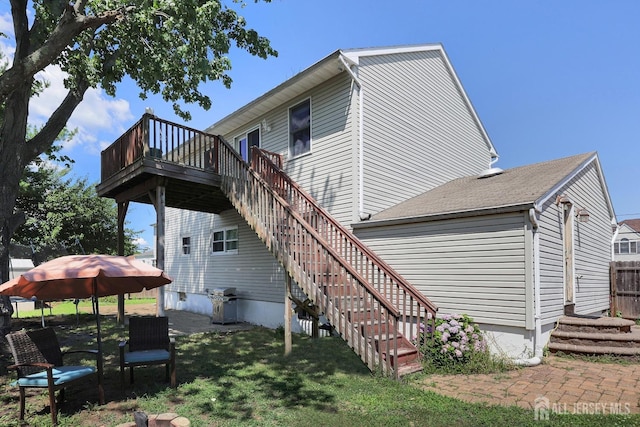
x: 83, y: 276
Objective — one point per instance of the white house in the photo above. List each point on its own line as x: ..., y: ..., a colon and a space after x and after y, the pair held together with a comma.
x: 626, y: 246
x: 369, y: 134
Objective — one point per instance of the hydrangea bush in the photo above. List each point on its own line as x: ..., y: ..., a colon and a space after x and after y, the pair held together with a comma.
x: 455, y: 340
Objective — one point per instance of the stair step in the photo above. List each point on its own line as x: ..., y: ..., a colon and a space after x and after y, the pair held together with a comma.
x: 600, y: 339
x: 612, y: 325
x: 409, y: 368
x: 592, y: 349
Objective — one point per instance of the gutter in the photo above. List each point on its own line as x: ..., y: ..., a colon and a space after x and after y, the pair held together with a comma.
x: 534, y: 212
x: 362, y: 215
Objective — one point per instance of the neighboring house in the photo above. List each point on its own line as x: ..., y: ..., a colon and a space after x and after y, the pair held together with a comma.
x: 370, y: 133
x: 626, y: 246
x: 17, y: 266
x: 147, y: 257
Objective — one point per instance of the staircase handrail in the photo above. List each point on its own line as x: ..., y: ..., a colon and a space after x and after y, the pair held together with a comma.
x: 342, y: 231
x: 310, y: 230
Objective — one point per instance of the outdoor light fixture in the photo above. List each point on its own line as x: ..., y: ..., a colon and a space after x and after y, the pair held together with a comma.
x: 583, y: 215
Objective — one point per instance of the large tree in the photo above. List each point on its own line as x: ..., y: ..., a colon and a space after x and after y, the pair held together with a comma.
x: 167, y: 47
x: 66, y: 212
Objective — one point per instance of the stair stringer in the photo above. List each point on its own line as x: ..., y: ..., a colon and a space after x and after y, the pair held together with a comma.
x: 258, y: 204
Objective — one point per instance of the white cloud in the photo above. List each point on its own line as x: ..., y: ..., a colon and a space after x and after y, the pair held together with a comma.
x: 96, y: 118
x: 6, y: 24
x: 140, y: 242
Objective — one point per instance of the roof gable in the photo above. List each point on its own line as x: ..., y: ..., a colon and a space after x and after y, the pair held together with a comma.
x: 515, y: 189
x: 322, y: 71
x: 633, y: 224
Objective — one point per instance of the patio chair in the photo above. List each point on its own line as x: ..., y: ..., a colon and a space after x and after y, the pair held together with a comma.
x: 38, y: 362
x: 149, y: 344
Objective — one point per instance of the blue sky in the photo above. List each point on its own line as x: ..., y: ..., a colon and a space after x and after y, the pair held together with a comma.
x: 548, y: 79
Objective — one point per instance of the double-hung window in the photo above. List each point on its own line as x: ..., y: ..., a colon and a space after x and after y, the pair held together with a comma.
x: 300, y: 128
x: 224, y: 241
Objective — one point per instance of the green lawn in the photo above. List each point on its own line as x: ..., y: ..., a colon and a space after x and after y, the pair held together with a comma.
x: 68, y: 307
x: 242, y: 378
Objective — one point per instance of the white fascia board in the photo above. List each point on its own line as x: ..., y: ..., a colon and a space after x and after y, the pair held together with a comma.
x: 553, y: 192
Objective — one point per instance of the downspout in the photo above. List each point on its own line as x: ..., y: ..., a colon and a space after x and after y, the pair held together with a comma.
x: 362, y: 215
x: 615, y: 236
x: 537, y: 355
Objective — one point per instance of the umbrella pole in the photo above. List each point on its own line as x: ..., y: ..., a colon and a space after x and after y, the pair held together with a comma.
x: 95, y: 296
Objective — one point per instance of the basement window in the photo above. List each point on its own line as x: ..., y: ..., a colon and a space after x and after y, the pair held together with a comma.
x: 186, y: 245
x: 224, y: 241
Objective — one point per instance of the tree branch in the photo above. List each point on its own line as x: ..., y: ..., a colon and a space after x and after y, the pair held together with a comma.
x: 69, y: 27
x: 56, y: 123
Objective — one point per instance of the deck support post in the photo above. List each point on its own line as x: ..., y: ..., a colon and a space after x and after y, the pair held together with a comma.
x: 158, y: 200
x: 287, y: 316
x: 122, y: 213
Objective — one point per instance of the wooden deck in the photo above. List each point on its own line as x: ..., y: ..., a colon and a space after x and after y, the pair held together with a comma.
x: 134, y: 166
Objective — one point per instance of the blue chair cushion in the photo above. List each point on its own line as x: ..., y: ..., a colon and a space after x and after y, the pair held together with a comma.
x: 149, y: 356
x: 61, y: 375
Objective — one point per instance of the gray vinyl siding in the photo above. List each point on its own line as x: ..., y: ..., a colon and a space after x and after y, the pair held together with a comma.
x: 551, y: 262
x: 592, y: 244
x: 475, y: 266
x: 592, y: 249
x: 253, y: 271
x: 418, y: 130
x: 327, y: 172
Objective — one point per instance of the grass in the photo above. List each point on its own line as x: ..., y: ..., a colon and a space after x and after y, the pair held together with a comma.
x: 68, y: 307
x: 243, y: 379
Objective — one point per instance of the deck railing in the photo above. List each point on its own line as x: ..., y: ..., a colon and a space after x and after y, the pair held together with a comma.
x: 161, y: 140
x: 413, y: 306
x: 355, y: 289
x: 335, y: 286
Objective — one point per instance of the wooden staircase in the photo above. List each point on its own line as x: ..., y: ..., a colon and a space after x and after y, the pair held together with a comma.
x: 596, y: 335
x: 370, y: 305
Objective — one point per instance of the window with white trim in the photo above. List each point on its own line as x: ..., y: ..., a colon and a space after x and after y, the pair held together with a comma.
x: 243, y: 143
x: 626, y: 246
x: 224, y: 240
x: 300, y: 129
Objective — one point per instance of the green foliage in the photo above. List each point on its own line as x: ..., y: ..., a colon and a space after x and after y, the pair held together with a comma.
x: 61, y: 210
x: 167, y: 47
x: 456, y: 345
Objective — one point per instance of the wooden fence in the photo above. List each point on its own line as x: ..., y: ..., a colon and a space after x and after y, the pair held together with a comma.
x: 625, y: 289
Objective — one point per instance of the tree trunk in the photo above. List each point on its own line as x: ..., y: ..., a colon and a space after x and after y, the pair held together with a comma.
x: 12, y: 164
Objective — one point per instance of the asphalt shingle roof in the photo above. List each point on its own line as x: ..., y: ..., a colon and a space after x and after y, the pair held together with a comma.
x: 514, y: 187
x: 633, y: 223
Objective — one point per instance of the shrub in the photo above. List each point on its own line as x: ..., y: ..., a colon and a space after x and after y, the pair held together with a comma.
x: 456, y: 340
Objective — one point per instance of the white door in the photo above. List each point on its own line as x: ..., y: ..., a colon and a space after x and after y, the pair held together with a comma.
x: 569, y: 272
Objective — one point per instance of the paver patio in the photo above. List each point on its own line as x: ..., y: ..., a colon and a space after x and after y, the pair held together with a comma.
x: 567, y: 384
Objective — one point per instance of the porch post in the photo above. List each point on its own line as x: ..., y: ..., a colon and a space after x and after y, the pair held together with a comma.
x: 122, y: 212
x: 160, y: 205
x: 287, y: 316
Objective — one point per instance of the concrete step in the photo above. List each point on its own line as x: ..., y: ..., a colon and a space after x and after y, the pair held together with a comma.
x: 601, y: 339
x: 593, y: 349
x: 611, y: 325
